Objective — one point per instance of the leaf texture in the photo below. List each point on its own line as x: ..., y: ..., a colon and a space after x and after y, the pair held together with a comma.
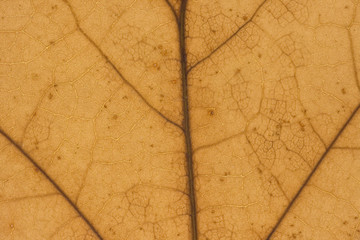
x: 180, y: 119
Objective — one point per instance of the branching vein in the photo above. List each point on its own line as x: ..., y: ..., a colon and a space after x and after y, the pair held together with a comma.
x: 117, y: 70
x: 52, y: 181
x: 286, y: 211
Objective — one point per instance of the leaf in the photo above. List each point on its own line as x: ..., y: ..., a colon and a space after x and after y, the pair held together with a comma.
x: 169, y: 119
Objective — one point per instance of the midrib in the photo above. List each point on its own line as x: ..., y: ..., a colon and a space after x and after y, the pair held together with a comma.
x: 186, y: 122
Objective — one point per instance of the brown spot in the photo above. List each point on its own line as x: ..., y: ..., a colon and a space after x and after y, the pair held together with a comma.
x: 213, y: 211
x: 230, y: 9
x: 345, y: 222
x: 161, y: 95
x: 125, y: 97
x: 259, y: 55
x: 59, y: 157
x: 237, y: 70
x: 115, y: 117
x: 105, y: 106
x: 54, y: 7
x: 346, y: 7
x: 291, y: 225
x: 164, y: 52
x: 221, y: 179
x: 34, y: 76
x: 343, y: 91
x: 160, y: 46
x: 151, y: 145
x: 302, y: 126
x: 156, y: 65
x: 245, y: 18
x: 173, y: 81
x: 259, y: 170
x: 211, y: 112
x: 50, y: 96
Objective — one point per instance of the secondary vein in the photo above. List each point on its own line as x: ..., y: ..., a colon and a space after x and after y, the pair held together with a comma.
x: 52, y: 181
x: 229, y: 38
x: 312, y: 172
x: 110, y: 62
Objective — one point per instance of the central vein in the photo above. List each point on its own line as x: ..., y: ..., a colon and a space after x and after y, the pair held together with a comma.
x: 186, y: 121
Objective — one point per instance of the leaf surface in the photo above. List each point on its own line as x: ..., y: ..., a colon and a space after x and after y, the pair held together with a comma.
x: 169, y: 119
